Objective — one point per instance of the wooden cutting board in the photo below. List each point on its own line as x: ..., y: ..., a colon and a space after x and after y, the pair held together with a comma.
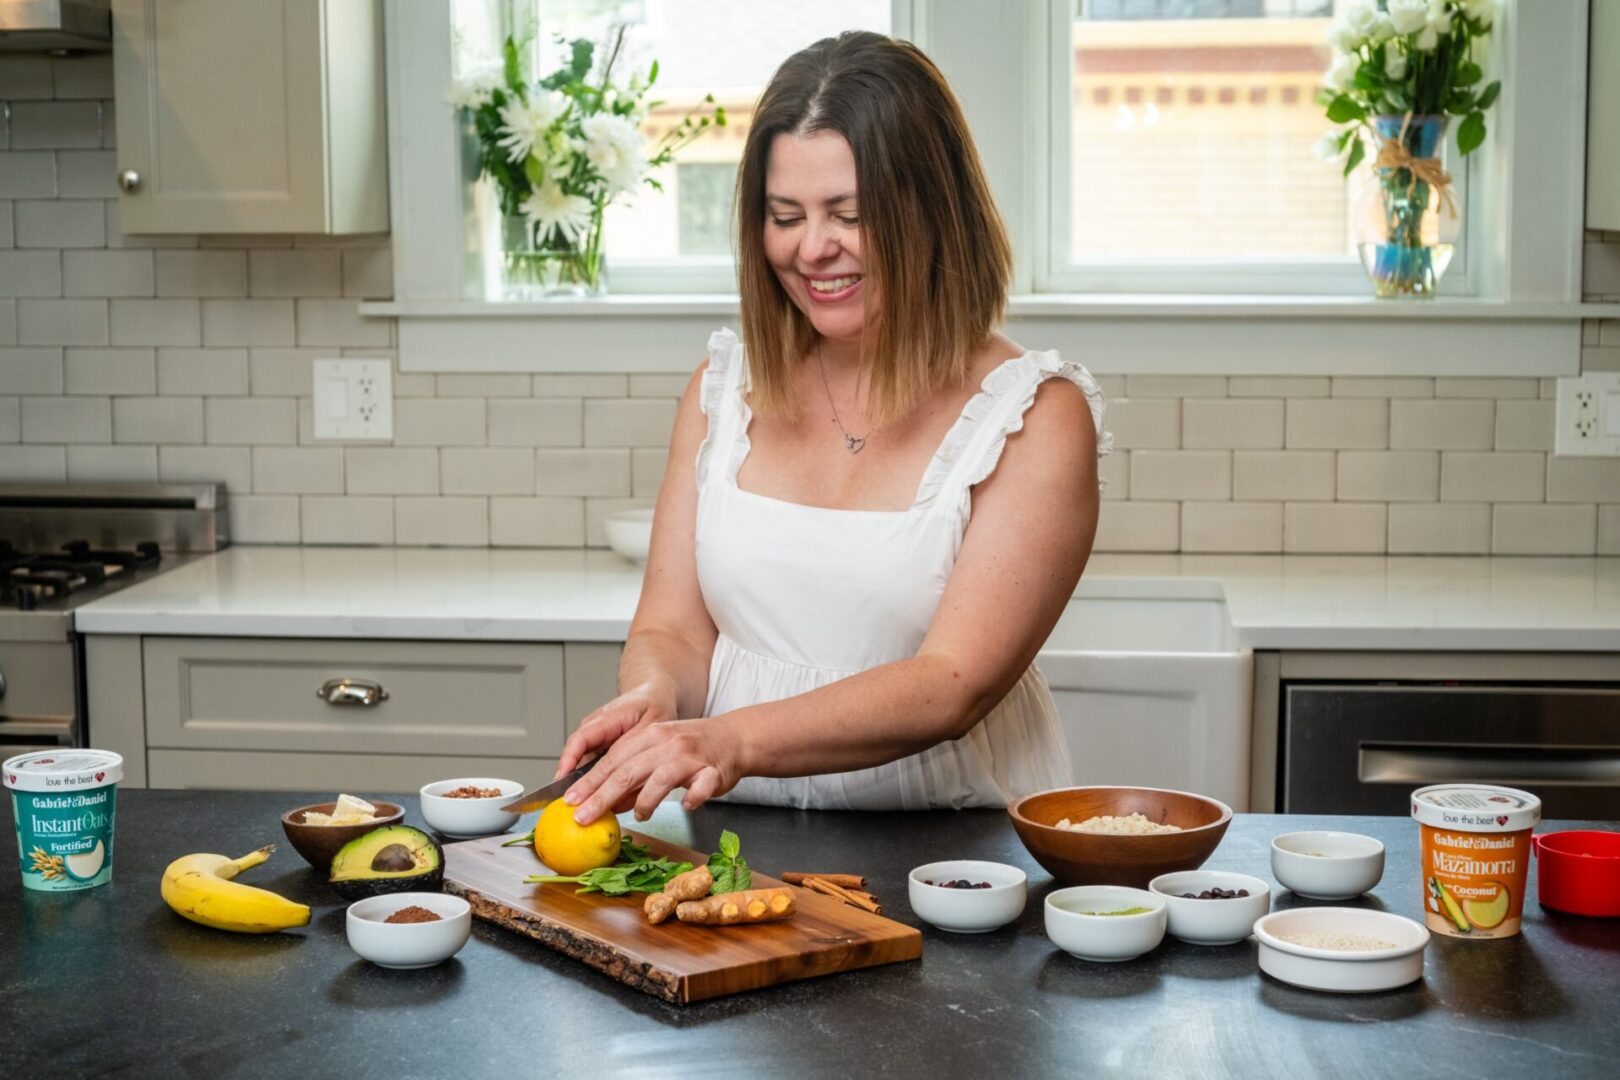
x: 674, y: 961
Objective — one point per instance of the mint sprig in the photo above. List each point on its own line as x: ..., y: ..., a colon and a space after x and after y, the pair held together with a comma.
x: 729, y: 868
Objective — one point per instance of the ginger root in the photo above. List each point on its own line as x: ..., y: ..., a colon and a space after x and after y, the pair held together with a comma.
x: 753, y: 906
x: 692, y: 885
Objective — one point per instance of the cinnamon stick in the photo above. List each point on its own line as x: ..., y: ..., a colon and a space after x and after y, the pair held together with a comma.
x: 843, y: 881
x: 837, y: 892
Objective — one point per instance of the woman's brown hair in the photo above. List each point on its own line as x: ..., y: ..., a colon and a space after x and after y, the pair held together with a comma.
x: 933, y: 243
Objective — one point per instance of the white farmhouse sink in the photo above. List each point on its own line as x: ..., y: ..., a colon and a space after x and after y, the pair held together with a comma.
x: 1152, y: 687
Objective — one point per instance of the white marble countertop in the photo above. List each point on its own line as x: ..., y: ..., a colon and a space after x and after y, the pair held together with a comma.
x: 479, y: 594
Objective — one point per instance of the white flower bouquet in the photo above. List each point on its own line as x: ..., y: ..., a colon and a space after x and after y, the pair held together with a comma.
x: 561, y: 149
x: 1400, y: 71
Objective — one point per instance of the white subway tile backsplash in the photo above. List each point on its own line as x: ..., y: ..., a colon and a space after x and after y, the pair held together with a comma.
x: 10, y: 419
x: 665, y: 386
x: 1485, y: 388
x: 350, y: 519
x: 442, y: 522
x: 1525, y: 425
x: 368, y: 273
x: 537, y: 422
x: 55, y: 125
x: 112, y: 463
x: 284, y: 372
x: 1113, y: 475
x: 110, y: 371
x: 1467, y: 476
x: 440, y: 422
x: 600, y: 471
x: 117, y: 239
x: 338, y: 322
x: 1360, y: 387
x: 581, y: 386
x: 248, y: 322
x: 1583, y: 479
x: 486, y: 471
x: 1337, y: 424
x: 33, y: 464
x: 211, y: 372
x: 8, y: 322
x: 63, y: 223
x: 30, y: 371
x: 1175, y: 386
x: 30, y: 273
x: 87, y: 174
x: 390, y: 471
x: 25, y: 76
x: 647, y: 470
x: 537, y: 522
x: 1608, y: 530
x: 1389, y: 476
x: 1231, y: 527
x: 1439, y: 529
x: 295, y: 272
x: 201, y: 273
x: 1335, y: 528
x: 1442, y: 425
x: 264, y: 519
x: 8, y: 233
x: 27, y: 174
x: 67, y: 420
x: 1145, y: 423
x: 484, y: 386
x: 156, y: 322
x: 1138, y: 526
x: 1278, y: 386
x: 1537, y: 529
x: 62, y: 322
x: 157, y: 420
x: 597, y: 509
x: 1283, y: 475
x: 84, y: 76
x: 229, y: 465
x: 1249, y: 424
x: 1181, y: 474
x: 247, y: 421
x: 628, y: 422
x: 298, y: 470
x: 121, y: 272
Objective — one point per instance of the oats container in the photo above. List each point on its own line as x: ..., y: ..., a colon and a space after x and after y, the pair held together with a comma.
x: 62, y: 807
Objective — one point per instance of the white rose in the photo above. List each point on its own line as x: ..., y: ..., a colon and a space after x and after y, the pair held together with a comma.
x: 1426, y: 39
x: 1439, y: 17
x: 1382, y: 29
x: 1482, y: 10
x: 1360, y: 16
x: 1327, y: 147
x: 1341, y: 73
x: 1408, y: 16
x: 1395, y: 64
x: 1343, y: 37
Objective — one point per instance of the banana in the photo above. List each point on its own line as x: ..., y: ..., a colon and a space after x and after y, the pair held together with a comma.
x: 200, y: 888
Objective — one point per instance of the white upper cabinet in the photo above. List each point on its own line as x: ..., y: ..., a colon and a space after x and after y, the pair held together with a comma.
x: 250, y: 116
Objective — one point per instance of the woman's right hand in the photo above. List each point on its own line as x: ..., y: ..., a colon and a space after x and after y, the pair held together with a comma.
x: 648, y: 703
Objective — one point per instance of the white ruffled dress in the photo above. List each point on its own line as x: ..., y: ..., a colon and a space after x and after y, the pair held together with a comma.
x: 803, y: 596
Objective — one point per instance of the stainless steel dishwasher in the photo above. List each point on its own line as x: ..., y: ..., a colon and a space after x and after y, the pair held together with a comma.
x: 1361, y: 748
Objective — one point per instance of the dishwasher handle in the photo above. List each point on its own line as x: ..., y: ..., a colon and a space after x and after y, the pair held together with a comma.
x: 1514, y: 766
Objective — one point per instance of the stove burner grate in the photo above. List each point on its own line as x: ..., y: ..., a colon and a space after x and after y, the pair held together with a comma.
x: 27, y: 578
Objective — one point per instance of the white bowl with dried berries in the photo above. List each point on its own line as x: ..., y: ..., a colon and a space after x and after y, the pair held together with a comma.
x: 967, y: 896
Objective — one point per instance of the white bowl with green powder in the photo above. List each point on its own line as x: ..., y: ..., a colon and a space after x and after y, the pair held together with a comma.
x: 62, y: 804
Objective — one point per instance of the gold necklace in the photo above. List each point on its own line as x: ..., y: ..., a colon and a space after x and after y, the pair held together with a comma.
x: 853, y: 443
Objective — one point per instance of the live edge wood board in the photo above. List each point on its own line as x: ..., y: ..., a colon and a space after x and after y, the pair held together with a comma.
x: 673, y: 961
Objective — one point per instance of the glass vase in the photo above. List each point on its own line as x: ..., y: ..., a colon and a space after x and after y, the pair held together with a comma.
x: 1407, y: 222
x: 554, y: 268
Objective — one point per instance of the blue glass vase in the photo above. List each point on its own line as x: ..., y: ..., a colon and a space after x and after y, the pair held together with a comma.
x: 1408, y: 222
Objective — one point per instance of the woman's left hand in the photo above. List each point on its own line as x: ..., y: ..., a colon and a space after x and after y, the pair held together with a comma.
x: 649, y: 762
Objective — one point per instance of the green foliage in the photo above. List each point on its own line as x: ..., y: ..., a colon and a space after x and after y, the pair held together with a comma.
x: 1471, y: 132
x: 730, y: 869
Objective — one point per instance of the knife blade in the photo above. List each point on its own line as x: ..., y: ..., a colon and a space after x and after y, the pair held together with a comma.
x: 545, y: 793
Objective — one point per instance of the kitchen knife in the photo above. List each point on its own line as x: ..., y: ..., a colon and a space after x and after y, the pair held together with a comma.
x: 540, y: 796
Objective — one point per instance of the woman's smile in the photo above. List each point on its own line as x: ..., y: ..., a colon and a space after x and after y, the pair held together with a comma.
x: 827, y: 289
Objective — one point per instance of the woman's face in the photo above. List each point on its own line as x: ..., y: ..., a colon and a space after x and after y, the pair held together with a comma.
x: 813, y: 230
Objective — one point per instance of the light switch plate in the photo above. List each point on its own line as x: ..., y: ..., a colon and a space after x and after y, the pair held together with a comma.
x: 354, y: 399
x: 1588, y: 421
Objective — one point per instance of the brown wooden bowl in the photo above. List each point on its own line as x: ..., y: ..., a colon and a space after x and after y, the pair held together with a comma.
x: 318, y: 843
x: 1077, y: 858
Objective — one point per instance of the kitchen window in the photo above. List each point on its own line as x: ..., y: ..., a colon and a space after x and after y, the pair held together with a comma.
x: 1119, y: 137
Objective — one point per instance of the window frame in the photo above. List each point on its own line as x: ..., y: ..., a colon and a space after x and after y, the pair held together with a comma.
x: 1523, y: 315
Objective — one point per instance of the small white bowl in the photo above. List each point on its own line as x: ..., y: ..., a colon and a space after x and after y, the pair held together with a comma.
x: 1339, y: 971
x: 467, y: 818
x: 1211, y: 922
x: 1327, y: 865
x: 1104, y: 938
x: 629, y: 532
x: 408, y: 945
x: 968, y: 911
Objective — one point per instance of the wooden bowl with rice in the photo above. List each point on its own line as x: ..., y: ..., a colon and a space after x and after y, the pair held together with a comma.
x: 1125, y: 852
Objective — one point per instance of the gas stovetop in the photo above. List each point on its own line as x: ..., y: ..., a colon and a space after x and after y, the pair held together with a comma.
x: 28, y: 578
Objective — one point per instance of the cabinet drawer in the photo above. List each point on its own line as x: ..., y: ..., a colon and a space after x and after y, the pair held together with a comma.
x: 450, y: 699
x: 366, y: 775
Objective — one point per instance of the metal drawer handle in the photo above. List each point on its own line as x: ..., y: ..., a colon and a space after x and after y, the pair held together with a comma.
x: 352, y: 692
x: 129, y: 180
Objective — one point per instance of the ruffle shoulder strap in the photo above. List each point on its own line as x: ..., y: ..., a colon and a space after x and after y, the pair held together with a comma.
x: 974, y: 444
x: 720, y: 395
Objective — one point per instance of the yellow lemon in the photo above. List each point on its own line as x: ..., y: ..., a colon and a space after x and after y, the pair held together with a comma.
x: 570, y: 848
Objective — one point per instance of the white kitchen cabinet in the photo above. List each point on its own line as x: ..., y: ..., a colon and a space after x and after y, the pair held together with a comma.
x: 250, y: 116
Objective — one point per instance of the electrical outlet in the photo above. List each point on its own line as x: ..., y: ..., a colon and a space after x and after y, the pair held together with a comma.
x: 1589, y: 415
x: 354, y: 399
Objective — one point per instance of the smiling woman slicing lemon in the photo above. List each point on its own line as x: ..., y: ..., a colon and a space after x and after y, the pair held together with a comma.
x: 876, y: 506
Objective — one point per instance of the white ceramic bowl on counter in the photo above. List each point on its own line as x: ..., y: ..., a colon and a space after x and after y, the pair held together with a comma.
x: 1327, y: 865
x: 967, y: 911
x: 1211, y: 922
x: 408, y: 945
x: 1104, y: 938
x: 1341, y: 971
x: 629, y: 532
x: 464, y: 819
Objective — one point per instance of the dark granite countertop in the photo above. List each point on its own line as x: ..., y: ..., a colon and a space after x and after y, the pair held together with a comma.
x: 110, y: 982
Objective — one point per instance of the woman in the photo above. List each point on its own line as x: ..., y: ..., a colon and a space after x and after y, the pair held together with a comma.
x: 874, y: 514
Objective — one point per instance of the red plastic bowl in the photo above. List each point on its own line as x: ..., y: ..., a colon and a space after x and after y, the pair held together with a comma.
x: 1580, y: 872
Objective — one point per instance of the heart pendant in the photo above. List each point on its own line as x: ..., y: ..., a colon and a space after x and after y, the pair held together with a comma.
x: 853, y: 443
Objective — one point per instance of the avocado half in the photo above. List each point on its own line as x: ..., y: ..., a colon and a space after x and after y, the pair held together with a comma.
x: 394, y: 858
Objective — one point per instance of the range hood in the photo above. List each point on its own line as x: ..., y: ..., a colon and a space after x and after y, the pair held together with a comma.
x: 55, y: 26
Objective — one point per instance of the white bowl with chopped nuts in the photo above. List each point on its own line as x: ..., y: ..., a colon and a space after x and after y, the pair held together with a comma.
x: 469, y: 806
x: 1343, y: 950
